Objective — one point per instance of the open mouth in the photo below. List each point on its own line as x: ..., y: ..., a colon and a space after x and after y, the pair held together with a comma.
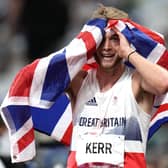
x: 108, y: 56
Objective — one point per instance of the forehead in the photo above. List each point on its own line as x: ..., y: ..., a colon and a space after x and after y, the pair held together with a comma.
x: 109, y: 32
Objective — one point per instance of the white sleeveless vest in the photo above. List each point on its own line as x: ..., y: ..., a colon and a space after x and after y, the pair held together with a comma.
x: 112, y: 112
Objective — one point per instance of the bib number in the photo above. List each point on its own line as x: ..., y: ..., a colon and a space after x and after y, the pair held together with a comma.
x: 103, y: 148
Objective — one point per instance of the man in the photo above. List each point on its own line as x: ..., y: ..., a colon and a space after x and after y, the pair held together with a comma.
x: 112, y: 104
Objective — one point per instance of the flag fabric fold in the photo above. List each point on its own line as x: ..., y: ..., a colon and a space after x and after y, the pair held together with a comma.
x: 37, y: 98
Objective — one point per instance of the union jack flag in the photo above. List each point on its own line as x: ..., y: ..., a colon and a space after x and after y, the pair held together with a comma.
x: 37, y: 100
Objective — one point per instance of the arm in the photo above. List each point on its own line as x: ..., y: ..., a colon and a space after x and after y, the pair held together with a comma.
x: 152, y: 77
x: 75, y: 85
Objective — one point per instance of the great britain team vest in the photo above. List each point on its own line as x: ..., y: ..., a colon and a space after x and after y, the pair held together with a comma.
x: 110, y: 129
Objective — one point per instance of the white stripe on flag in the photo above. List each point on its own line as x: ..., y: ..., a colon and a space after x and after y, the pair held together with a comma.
x: 129, y: 25
x: 120, y: 26
x: 76, y: 49
x: 38, y: 80
x: 25, y: 101
x: 63, y: 124
x: 156, y: 53
x: 17, y: 100
x: 158, y: 117
x: 22, y: 131
x: 27, y: 154
x: 96, y: 33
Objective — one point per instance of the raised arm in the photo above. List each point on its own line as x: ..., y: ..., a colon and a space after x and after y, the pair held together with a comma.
x: 151, y: 77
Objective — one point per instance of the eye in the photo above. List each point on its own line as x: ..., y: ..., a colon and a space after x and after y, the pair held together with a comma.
x: 114, y: 37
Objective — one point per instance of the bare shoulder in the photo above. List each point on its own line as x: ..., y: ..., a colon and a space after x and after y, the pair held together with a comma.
x: 143, y: 98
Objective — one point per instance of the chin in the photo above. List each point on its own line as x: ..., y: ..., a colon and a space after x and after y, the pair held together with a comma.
x: 107, y: 65
x: 107, y: 68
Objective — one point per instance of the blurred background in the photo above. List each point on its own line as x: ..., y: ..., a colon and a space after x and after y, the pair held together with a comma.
x: 31, y: 29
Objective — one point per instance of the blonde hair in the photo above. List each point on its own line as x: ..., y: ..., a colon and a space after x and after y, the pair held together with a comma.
x: 109, y: 12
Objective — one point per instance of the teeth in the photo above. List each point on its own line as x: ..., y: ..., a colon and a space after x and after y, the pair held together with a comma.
x: 108, y: 55
x: 107, y: 58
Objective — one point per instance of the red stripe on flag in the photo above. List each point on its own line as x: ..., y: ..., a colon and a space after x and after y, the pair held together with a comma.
x: 89, y: 42
x: 163, y: 61
x: 93, y: 65
x: 22, y: 83
x: 163, y: 107
x: 26, y: 140
x: 67, y: 136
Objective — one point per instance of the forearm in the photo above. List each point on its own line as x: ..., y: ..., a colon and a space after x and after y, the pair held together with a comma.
x: 153, y: 76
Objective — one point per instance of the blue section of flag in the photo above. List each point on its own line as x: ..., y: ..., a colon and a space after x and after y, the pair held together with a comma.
x: 44, y: 120
x: 142, y: 42
x: 55, y: 83
x: 19, y: 114
x: 156, y: 126
x: 100, y: 23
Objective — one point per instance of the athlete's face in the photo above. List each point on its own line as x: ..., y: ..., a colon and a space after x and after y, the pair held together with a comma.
x: 106, y: 55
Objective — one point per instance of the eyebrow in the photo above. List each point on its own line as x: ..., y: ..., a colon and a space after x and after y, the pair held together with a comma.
x: 114, y: 36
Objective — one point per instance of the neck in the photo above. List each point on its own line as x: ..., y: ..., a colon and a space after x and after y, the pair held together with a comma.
x: 107, y: 79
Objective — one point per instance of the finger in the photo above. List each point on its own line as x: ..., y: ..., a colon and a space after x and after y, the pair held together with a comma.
x: 115, y: 29
x: 117, y: 32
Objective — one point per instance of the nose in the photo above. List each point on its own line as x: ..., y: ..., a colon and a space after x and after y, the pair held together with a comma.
x: 107, y: 45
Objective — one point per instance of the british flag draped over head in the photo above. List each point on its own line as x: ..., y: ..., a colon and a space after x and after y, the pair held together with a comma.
x: 37, y: 98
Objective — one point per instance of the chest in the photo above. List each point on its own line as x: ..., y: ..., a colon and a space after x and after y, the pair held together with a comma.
x: 112, y: 103
x: 105, y: 113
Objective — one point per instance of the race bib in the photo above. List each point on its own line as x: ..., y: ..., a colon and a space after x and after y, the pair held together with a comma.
x: 104, y: 148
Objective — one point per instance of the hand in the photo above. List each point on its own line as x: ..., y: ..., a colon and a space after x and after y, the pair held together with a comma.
x: 124, y: 48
